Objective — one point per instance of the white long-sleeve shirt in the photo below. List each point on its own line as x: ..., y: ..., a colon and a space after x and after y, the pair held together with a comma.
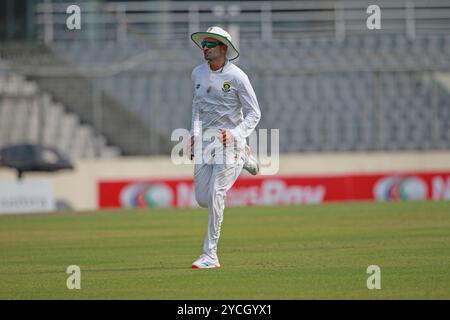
x: 221, y: 100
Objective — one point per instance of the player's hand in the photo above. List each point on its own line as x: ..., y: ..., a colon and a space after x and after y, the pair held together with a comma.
x: 191, y: 148
x: 225, y: 137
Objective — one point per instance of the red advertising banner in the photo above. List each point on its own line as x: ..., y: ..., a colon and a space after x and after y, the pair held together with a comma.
x: 280, y: 190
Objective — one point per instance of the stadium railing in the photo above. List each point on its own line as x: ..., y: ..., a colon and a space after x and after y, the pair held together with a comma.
x: 160, y: 21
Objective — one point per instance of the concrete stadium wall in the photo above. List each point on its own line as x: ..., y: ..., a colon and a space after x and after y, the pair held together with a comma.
x: 79, y: 187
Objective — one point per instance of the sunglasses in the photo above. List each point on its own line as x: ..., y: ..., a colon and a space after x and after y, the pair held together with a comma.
x: 209, y: 44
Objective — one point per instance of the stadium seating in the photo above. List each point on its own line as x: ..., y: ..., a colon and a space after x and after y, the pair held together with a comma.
x: 364, y: 93
x: 29, y: 115
x: 319, y: 92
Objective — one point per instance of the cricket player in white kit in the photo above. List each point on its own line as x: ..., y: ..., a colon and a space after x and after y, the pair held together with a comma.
x: 224, y: 101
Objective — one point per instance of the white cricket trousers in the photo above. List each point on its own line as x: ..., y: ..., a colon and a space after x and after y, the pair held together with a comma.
x: 212, y: 182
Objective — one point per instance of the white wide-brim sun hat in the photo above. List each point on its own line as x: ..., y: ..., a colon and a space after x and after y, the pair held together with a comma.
x: 220, y: 35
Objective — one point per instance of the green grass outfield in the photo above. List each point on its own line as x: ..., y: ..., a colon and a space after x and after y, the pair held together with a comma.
x: 292, y: 252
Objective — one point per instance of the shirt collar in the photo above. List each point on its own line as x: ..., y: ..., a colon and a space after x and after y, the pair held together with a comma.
x: 224, y: 68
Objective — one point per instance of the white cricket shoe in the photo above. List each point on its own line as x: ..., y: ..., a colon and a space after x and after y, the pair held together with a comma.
x: 250, y: 162
x: 205, y: 262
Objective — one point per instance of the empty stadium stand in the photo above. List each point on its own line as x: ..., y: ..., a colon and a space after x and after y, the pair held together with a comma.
x: 364, y: 93
x: 326, y: 81
x: 118, y: 123
x: 29, y: 115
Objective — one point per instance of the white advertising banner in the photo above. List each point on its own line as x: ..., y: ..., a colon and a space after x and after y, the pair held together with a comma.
x: 26, y: 197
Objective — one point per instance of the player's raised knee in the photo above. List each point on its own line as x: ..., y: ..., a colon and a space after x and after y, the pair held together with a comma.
x: 201, y: 200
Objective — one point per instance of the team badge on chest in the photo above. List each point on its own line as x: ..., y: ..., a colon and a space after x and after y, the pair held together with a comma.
x: 226, y: 86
